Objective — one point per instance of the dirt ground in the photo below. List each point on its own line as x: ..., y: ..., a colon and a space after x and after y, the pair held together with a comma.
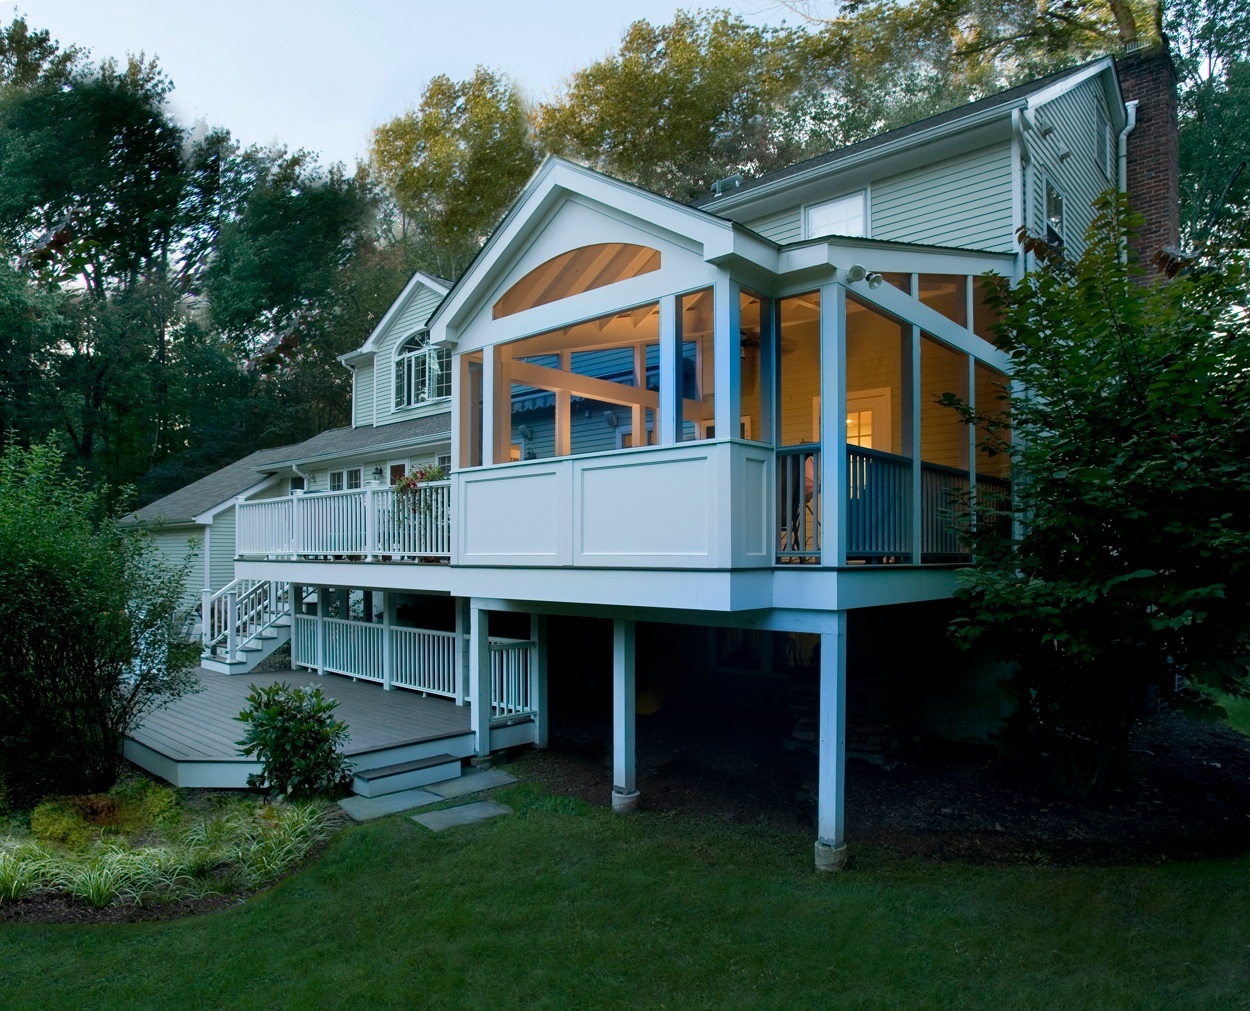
x: 1186, y: 795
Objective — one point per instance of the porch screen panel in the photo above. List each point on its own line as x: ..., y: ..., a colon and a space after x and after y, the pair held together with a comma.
x: 798, y: 373
x: 943, y: 437
x: 947, y: 294
x: 753, y: 345
x: 993, y: 399
x: 697, y: 365
x: 589, y: 387
x: 985, y: 317
x: 874, y: 378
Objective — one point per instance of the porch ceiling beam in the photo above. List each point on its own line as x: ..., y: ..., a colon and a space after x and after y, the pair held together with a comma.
x: 600, y: 389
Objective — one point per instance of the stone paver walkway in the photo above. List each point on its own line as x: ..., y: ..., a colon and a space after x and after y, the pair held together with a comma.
x: 471, y: 780
x: 465, y: 814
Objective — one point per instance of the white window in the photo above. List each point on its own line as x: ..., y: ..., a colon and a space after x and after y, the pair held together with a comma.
x: 843, y: 216
x: 1054, y: 215
x: 345, y: 479
x: 422, y: 373
x: 1102, y: 143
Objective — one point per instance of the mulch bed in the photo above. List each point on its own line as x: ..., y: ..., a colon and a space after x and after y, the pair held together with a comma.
x: 1185, y: 797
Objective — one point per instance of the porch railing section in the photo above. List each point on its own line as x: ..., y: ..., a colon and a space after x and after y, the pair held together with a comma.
x: 424, y: 661
x: 241, y: 610
x: 940, y: 490
x: 360, y: 523
x: 512, y: 689
x: 421, y: 660
x: 879, y: 515
x: 798, y: 503
x: 354, y: 648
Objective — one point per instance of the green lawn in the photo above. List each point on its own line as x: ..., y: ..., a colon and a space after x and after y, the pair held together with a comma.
x: 564, y: 906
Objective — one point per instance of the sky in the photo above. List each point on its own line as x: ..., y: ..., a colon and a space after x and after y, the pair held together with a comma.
x: 321, y: 74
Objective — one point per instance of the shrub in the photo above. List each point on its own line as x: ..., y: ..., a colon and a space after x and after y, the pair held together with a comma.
x: 293, y: 732
x: 89, y: 638
x: 59, y: 820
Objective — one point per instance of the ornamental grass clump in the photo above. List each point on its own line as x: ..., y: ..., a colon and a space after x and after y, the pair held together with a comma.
x: 292, y: 730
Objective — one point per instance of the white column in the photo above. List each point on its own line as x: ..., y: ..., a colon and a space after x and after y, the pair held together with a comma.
x: 538, y: 633
x: 371, y: 526
x: 670, y: 376
x: 831, y: 780
x: 727, y: 335
x: 206, y: 607
x: 322, y: 593
x: 297, y: 594
x: 624, y: 702
x: 833, y: 469
x: 388, y: 658
x: 461, y: 660
x: 479, y: 678
x: 917, y: 444
x: 490, y: 405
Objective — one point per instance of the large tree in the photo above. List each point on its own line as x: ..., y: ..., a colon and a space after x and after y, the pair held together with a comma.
x: 455, y: 164
x: 1130, y: 454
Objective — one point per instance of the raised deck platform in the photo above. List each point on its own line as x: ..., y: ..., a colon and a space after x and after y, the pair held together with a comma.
x: 191, y: 741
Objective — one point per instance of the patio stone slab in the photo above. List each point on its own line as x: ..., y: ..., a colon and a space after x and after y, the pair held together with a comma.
x: 471, y: 780
x: 465, y: 814
x: 368, y: 808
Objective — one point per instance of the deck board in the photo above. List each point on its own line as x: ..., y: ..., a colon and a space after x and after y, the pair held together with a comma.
x: 202, y: 727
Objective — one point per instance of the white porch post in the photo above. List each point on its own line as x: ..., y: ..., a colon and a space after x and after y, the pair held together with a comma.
x: 831, y: 780
x: 461, y: 660
x: 727, y: 336
x: 834, y: 477
x: 624, y: 702
x: 388, y: 658
x: 297, y: 595
x: 670, y: 377
x: 206, y: 596
x: 322, y: 593
x: 371, y: 525
x: 538, y: 633
x: 297, y: 497
x: 479, y: 678
x: 232, y: 626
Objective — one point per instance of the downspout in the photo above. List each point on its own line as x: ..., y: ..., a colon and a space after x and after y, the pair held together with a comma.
x: 1021, y: 124
x: 1130, y: 109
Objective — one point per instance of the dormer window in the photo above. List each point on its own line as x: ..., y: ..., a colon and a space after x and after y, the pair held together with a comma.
x: 422, y: 373
x: 843, y: 216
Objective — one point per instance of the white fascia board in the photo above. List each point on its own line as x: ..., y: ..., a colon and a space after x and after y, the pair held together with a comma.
x: 367, y: 350
x: 206, y: 517
x: 555, y: 182
x: 1062, y: 87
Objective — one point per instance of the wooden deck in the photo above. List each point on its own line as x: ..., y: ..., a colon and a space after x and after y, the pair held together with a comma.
x: 191, y: 741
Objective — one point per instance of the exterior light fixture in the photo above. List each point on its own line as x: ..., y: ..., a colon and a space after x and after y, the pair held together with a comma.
x: 875, y: 281
x: 857, y: 272
x: 377, y: 473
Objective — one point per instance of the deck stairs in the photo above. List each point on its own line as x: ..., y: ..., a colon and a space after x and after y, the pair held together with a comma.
x: 243, y: 623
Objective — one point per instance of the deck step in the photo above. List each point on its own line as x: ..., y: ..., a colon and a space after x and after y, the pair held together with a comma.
x: 405, y: 775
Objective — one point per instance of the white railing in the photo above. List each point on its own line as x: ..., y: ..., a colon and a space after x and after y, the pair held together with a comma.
x: 240, y: 611
x: 424, y: 661
x: 798, y: 503
x: 511, y: 683
x: 361, y: 523
x: 267, y: 530
x: 304, y: 641
x: 353, y: 648
x: 940, y: 491
x: 878, y: 504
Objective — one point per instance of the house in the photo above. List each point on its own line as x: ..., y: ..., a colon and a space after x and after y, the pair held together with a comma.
x: 718, y: 416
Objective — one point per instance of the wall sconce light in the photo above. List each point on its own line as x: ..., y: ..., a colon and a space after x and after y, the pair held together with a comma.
x: 377, y: 473
x: 856, y: 272
x: 875, y: 281
x: 526, y: 432
x: 611, y: 419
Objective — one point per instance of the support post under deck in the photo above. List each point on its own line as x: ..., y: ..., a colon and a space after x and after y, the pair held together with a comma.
x: 624, y: 703
x: 831, y: 779
x: 479, y: 679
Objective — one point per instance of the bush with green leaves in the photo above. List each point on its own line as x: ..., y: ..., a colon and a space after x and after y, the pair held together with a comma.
x: 89, y: 630
x: 1129, y: 441
x: 292, y: 730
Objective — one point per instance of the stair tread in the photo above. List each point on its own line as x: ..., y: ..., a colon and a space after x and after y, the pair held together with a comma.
x: 403, y: 767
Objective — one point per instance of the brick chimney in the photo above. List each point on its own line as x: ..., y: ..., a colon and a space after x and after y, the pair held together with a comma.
x: 1148, y: 76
